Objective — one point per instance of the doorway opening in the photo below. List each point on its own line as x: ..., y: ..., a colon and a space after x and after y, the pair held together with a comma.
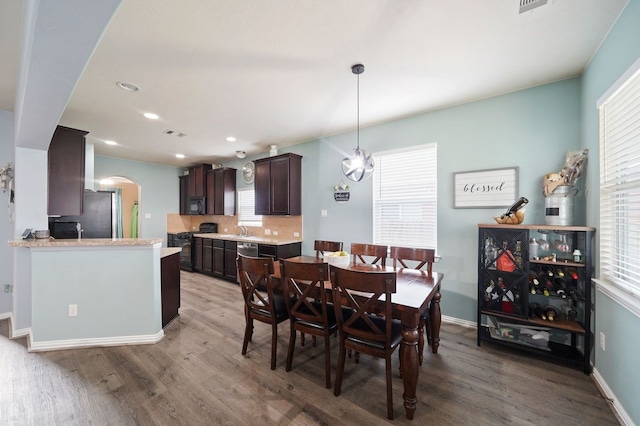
x: 128, y: 195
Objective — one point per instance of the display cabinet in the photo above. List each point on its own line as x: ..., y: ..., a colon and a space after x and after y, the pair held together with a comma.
x: 534, y: 290
x: 278, y: 185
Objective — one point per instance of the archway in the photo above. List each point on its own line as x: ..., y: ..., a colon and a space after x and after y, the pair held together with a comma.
x: 128, y: 195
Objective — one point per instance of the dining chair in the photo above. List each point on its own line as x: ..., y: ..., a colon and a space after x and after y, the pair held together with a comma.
x: 416, y: 258
x: 309, y: 312
x: 378, y: 252
x: 326, y: 246
x: 255, y: 279
x: 364, y: 331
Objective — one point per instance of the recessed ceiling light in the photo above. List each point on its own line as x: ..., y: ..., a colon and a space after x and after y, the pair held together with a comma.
x: 151, y: 116
x: 129, y: 87
x: 111, y: 142
x: 231, y: 139
x: 179, y: 155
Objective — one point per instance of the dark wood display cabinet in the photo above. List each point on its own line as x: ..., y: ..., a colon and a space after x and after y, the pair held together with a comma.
x: 221, y: 191
x: 66, y: 158
x: 278, y: 185
x: 534, y: 290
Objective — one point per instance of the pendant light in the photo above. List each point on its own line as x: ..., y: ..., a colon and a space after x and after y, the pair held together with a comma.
x: 360, y: 164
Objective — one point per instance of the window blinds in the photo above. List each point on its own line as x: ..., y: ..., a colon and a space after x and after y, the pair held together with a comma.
x: 246, y: 208
x: 620, y: 187
x: 405, y: 197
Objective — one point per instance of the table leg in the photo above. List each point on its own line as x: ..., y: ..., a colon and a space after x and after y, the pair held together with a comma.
x: 435, y: 318
x: 409, y: 364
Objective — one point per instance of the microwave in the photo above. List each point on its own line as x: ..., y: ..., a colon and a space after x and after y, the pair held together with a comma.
x: 197, y: 205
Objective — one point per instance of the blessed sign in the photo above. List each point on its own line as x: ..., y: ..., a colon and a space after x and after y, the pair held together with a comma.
x: 485, y: 188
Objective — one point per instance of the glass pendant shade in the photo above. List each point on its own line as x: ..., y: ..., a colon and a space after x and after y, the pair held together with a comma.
x: 358, y: 166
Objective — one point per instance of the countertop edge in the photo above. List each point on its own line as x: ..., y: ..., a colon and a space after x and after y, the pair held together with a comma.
x: 256, y: 240
x: 85, y: 242
x: 168, y: 251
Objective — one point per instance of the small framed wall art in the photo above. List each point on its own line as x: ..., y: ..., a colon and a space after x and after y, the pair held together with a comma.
x: 483, y: 189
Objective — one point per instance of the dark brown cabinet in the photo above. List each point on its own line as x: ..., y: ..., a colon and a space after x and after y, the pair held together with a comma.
x: 230, y: 256
x: 283, y: 251
x: 218, y: 258
x: 207, y: 256
x: 278, y: 185
x: 170, y: 287
x: 221, y: 191
x: 198, y: 180
x: 197, y: 254
x: 66, y: 156
x: 184, y: 197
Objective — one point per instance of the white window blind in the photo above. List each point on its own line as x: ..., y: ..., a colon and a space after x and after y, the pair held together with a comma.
x: 620, y: 187
x: 246, y: 208
x: 405, y: 197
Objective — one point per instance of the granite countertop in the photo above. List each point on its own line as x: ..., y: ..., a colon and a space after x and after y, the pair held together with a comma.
x: 168, y: 251
x: 84, y: 242
x: 249, y: 239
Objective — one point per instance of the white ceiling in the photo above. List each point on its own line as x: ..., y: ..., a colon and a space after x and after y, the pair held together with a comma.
x: 279, y: 72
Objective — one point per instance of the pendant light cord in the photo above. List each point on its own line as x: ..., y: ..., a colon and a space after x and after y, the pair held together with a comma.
x: 358, y: 109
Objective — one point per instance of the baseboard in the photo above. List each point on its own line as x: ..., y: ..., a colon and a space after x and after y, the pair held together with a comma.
x: 53, y: 345
x: 616, y: 407
x: 14, y: 334
x: 458, y: 321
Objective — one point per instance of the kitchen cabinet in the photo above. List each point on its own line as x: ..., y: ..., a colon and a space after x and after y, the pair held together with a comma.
x: 197, y: 254
x: 207, y: 256
x: 184, y: 195
x: 277, y: 252
x: 230, y: 256
x: 197, y: 180
x: 537, y: 302
x: 170, y: 287
x: 66, y: 157
x: 221, y: 191
x: 218, y: 258
x: 278, y: 185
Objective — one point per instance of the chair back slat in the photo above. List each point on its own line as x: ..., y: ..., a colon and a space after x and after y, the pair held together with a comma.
x: 255, y: 277
x: 326, y: 246
x: 304, y: 283
x: 401, y: 255
x: 378, y: 252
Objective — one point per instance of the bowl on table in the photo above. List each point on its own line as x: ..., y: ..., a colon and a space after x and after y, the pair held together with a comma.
x: 338, y: 258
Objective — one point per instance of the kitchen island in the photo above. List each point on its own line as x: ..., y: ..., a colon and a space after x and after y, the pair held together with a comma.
x: 91, y: 292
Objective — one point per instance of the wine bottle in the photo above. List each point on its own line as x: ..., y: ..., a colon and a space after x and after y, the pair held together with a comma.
x: 548, y: 270
x: 517, y: 254
x: 550, y: 312
x: 505, y: 261
x: 534, y: 284
x: 560, y: 272
x: 515, y: 207
x: 490, y: 253
x: 559, y: 287
x: 573, y: 273
x: 535, y: 310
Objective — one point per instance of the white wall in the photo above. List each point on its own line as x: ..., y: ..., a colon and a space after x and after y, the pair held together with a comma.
x: 6, y: 228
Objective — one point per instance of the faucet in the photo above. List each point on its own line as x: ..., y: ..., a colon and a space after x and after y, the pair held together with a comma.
x: 243, y: 230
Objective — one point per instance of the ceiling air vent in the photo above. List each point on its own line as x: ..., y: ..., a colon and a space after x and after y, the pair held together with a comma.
x: 174, y: 133
x: 527, y: 5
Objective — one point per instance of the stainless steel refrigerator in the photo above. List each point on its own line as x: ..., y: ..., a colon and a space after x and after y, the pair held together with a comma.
x: 98, y: 218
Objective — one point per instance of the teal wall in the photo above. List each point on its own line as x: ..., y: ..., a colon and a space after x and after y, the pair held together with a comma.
x: 6, y: 228
x: 617, y: 365
x: 160, y: 191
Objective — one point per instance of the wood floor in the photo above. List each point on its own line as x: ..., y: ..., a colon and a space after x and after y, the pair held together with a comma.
x: 197, y: 376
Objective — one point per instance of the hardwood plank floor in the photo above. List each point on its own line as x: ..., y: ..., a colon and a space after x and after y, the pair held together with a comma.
x: 197, y: 376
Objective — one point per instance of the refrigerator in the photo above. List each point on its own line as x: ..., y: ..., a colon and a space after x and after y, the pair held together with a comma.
x: 98, y: 218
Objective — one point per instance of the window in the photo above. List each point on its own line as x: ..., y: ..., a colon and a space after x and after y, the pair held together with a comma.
x: 405, y: 197
x: 246, y: 208
x: 620, y: 188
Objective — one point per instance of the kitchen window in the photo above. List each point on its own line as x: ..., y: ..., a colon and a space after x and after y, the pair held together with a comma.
x: 246, y: 208
x: 405, y: 197
x: 620, y: 191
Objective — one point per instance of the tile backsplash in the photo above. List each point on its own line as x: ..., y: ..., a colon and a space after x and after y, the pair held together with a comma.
x: 286, y: 227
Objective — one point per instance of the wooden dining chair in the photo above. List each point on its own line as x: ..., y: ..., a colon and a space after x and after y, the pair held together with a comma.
x: 378, y: 252
x: 326, y: 246
x: 416, y: 258
x: 255, y: 279
x: 309, y: 312
x: 363, y: 331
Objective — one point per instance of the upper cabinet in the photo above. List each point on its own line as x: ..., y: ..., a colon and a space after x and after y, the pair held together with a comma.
x: 197, y: 180
x: 278, y: 185
x: 184, y: 190
x: 221, y: 191
x: 66, y: 157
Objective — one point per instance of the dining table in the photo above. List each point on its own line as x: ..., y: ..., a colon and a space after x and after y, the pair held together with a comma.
x: 417, y: 292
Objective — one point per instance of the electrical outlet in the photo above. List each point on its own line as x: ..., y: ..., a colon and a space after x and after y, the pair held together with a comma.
x: 296, y: 234
x: 267, y: 232
x: 73, y: 310
x: 602, y: 346
x: 275, y: 232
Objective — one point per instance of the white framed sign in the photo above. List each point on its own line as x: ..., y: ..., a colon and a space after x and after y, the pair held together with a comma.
x: 485, y: 188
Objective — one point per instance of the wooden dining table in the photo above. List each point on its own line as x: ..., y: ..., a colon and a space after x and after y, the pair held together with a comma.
x: 416, y: 293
